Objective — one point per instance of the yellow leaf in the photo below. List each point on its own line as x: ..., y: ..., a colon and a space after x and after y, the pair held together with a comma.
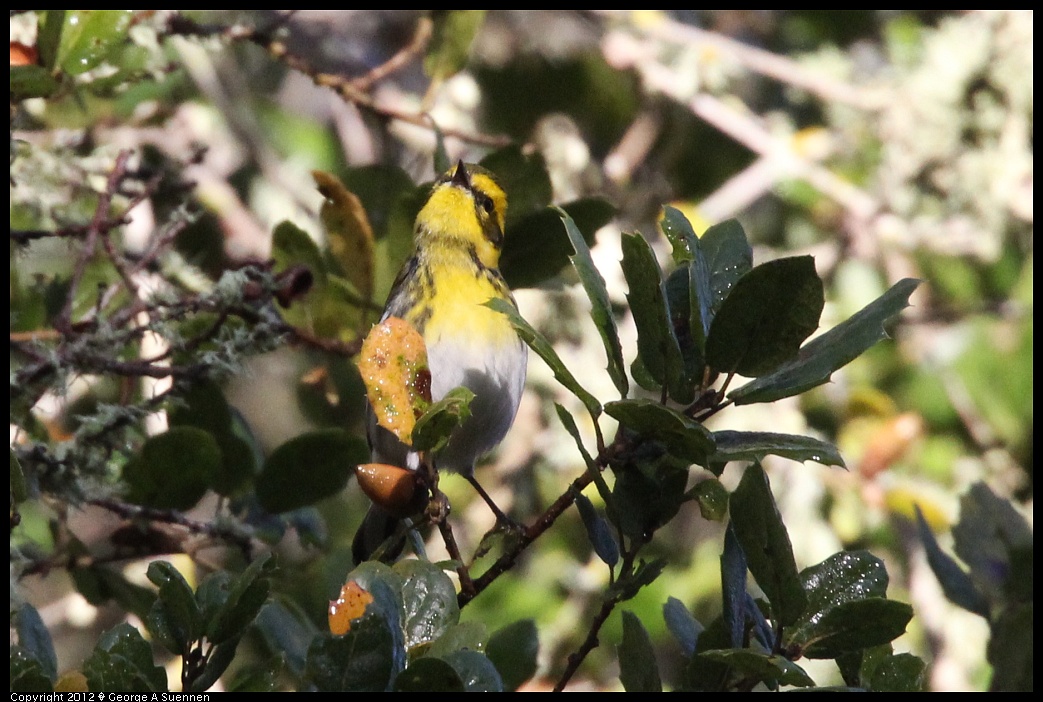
x: 349, y: 234
x: 393, y: 366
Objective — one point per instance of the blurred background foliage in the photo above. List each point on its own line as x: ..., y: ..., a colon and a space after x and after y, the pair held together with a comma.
x: 888, y: 144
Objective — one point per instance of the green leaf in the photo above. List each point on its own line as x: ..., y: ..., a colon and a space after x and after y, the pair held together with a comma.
x: 538, y: 343
x: 173, y: 469
x: 27, y: 673
x: 286, y: 628
x: 657, y: 344
x: 683, y: 437
x: 433, y: 429
x: 903, y: 672
x: 461, y: 636
x: 31, y: 82
x: 649, y: 490
x: 754, y: 445
x: 248, y: 593
x: 430, y: 602
x: 454, y: 32
x: 35, y: 640
x: 688, y: 251
x: 847, y: 609
x: 769, y: 313
x: 733, y: 588
x: 767, y: 667
x: 956, y: 584
x: 682, y: 625
x: 308, y: 468
x: 514, y: 650
x: 857, y: 624
x: 728, y: 257
x: 475, y: 670
x: 536, y: 248
x: 90, y: 37
x: 766, y: 544
x: 175, y: 619
x: 598, y: 530
x: 601, y: 308
x: 429, y: 674
x: 832, y: 350
x: 360, y: 661
x: 292, y: 245
x: 99, y: 584
x: 122, y: 662
x: 712, y: 498
x: 638, y: 670
x: 49, y: 37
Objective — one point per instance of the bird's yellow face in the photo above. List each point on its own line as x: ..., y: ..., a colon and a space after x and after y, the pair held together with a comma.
x: 468, y: 209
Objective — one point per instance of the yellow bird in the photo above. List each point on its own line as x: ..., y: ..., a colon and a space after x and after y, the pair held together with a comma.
x: 442, y: 291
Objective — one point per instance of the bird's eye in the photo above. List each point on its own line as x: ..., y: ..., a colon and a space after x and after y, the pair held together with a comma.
x: 487, y: 203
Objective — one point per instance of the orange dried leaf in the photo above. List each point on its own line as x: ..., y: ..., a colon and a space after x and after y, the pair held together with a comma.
x: 349, y: 606
x: 349, y: 233
x: 23, y: 54
x: 393, y: 365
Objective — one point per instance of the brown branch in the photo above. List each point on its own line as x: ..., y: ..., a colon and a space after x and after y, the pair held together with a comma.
x: 64, y: 321
x: 421, y: 38
x: 351, y: 90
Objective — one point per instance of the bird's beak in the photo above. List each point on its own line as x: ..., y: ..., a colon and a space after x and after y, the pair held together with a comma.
x: 460, y: 177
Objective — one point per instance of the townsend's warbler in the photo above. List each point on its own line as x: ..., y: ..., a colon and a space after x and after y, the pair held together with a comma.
x: 442, y: 291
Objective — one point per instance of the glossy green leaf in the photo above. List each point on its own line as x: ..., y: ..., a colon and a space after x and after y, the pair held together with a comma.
x: 26, y: 673
x: 514, y: 650
x: 175, y: 619
x: 956, y: 584
x: 100, y: 584
x: 247, y: 594
x: 649, y: 490
x: 286, y: 628
x: 433, y: 429
x: 475, y: 670
x: 470, y: 635
x: 122, y: 662
x: 728, y: 258
x: 638, y: 669
x: 768, y: 314
x: 359, y: 661
x: 764, y: 666
x: 733, y: 588
x: 598, y: 531
x: 430, y: 602
x: 765, y: 541
x: 683, y: 437
x: 1010, y: 651
x: 454, y: 32
x: 712, y: 498
x: 832, y: 350
x: 173, y: 470
x: 754, y: 445
x: 308, y: 468
x: 90, y: 37
x: 903, y: 672
x: 538, y: 343
x: 428, y: 675
x: 656, y: 342
x: 688, y: 251
x: 684, y: 627
x: 601, y: 307
x: 857, y: 624
x: 536, y: 247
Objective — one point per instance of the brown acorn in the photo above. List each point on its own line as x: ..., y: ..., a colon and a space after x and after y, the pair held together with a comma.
x: 396, y: 490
